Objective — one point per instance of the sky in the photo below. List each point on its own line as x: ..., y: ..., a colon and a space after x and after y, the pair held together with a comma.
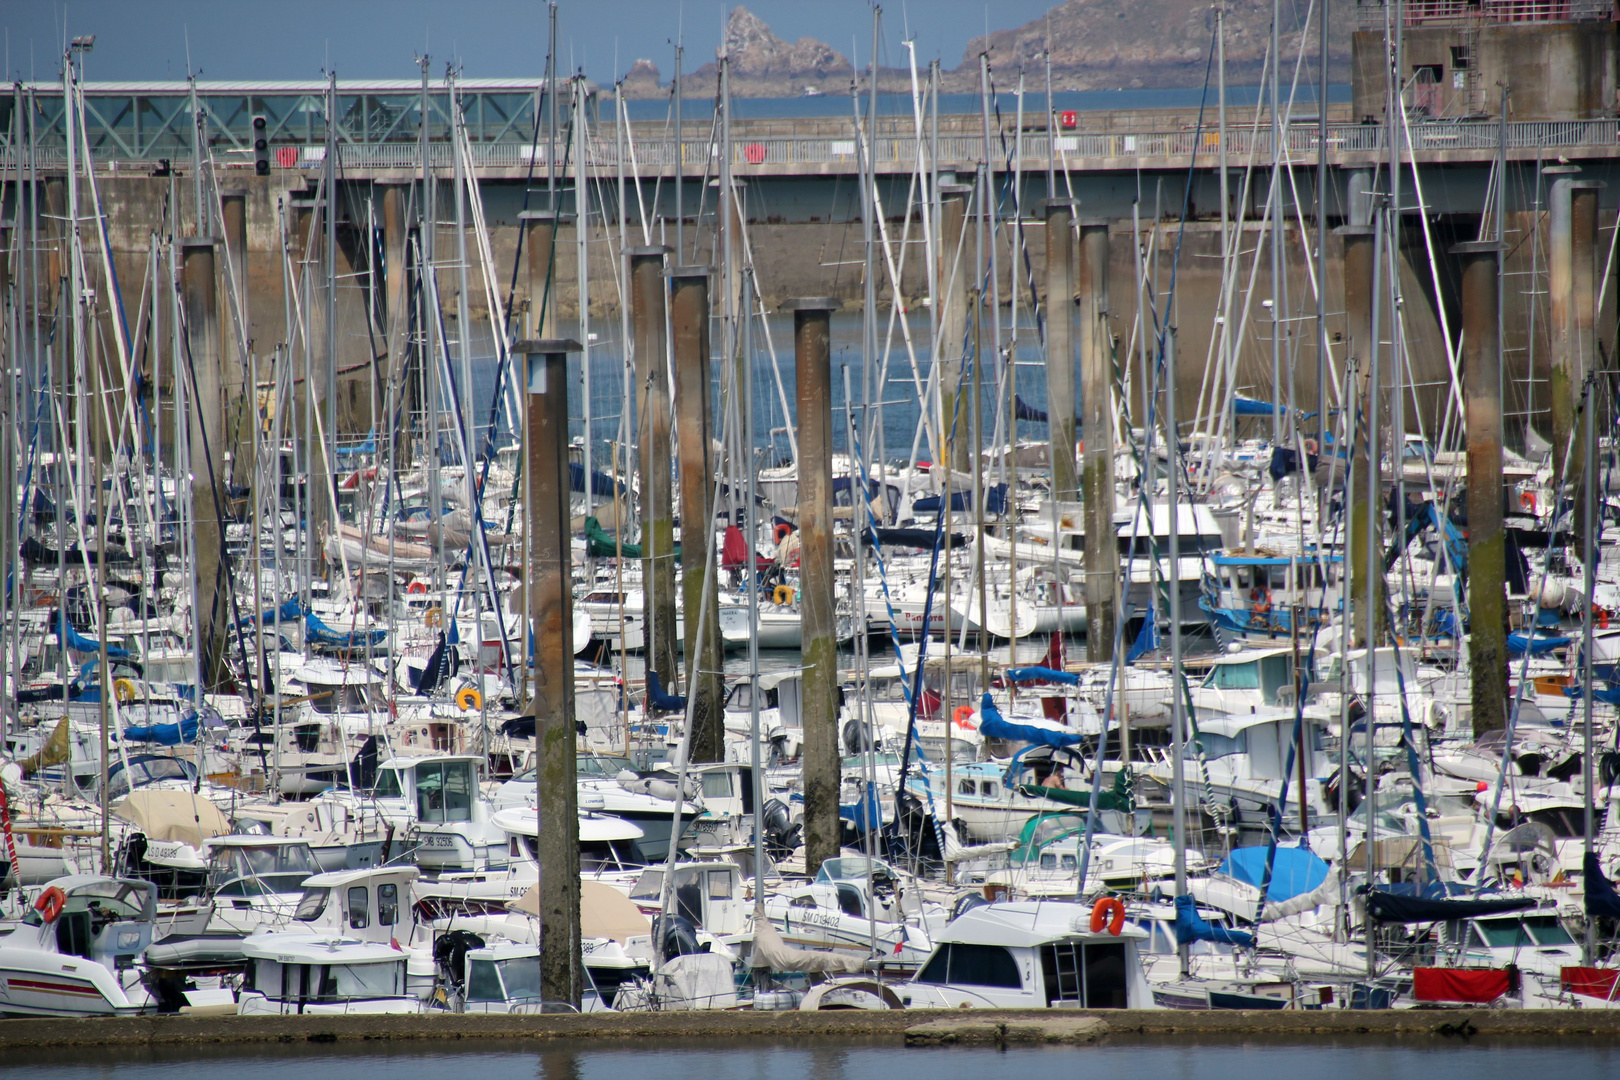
x: 379, y: 39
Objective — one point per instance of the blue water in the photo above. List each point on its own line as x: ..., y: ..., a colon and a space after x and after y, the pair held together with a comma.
x: 1325, y: 1060
x: 698, y: 107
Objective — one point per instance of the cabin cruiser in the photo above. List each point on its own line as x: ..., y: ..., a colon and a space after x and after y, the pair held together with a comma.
x: 436, y: 801
x: 78, y: 949
x: 1031, y: 955
x: 505, y: 978
x: 318, y: 974
x: 838, y: 911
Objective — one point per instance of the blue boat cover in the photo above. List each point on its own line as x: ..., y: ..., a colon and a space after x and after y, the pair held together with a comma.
x: 992, y: 725
x: 1042, y: 674
x: 1602, y: 902
x: 1191, y: 927
x: 165, y: 734
x: 1294, y: 871
x: 1147, y: 639
x: 1538, y: 645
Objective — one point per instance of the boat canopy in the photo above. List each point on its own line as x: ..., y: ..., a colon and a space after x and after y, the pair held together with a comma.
x: 1294, y: 870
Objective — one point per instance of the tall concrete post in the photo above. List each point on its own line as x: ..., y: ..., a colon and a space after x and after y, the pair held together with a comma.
x: 396, y: 300
x: 689, y: 317
x: 1060, y: 424
x: 1581, y: 318
x: 205, y: 431
x: 1360, y: 279
x: 956, y: 275
x: 1097, y: 472
x: 540, y: 242
x: 233, y: 219
x: 647, y: 315
x: 812, y: 359
x: 308, y: 241
x: 1487, y: 544
x: 550, y: 603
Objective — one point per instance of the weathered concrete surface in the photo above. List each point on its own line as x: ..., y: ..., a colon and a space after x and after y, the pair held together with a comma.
x: 978, y: 1028
x: 1414, y: 1023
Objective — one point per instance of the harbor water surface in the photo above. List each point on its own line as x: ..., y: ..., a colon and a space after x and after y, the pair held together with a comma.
x: 1200, y: 1060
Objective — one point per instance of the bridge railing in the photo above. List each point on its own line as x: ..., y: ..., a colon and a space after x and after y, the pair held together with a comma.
x: 1080, y: 149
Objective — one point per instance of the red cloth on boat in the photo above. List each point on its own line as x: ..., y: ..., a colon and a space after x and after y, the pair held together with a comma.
x: 1478, y: 986
x: 1590, y: 982
x: 1055, y: 708
x: 734, y: 551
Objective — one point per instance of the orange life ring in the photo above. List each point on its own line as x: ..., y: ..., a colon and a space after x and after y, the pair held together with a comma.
x: 782, y: 529
x: 962, y: 715
x: 1099, y: 915
x: 50, y: 904
x: 419, y: 588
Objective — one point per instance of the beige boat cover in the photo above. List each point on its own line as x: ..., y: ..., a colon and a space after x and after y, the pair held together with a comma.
x: 772, y: 952
x: 604, y: 912
x: 173, y: 815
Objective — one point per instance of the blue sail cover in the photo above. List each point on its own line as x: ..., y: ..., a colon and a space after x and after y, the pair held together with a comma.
x: 1251, y: 407
x: 1042, y: 674
x: 165, y: 734
x: 1147, y: 638
x: 1191, y: 927
x: 321, y: 634
x: 291, y: 611
x: 659, y: 699
x: 992, y: 725
x: 1602, y: 902
x: 1294, y: 872
x: 1392, y: 907
x: 80, y: 643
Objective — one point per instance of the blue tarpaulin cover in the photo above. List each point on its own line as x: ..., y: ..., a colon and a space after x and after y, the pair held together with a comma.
x: 1295, y: 871
x: 1191, y: 927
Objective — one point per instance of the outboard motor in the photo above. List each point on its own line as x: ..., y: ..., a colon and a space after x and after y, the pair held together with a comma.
x: 782, y: 836
x: 677, y: 935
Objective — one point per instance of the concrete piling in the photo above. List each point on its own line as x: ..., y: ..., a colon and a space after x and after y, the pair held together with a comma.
x: 550, y: 603
x: 956, y: 275
x: 689, y: 317
x: 1487, y: 544
x: 206, y: 427
x: 1060, y: 424
x: 1097, y: 474
x: 813, y: 364
x: 1360, y: 280
x: 540, y: 244
x: 647, y: 316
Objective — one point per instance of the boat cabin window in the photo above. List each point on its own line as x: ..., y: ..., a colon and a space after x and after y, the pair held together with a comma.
x: 387, y: 904
x: 520, y: 977
x: 359, y: 908
x: 482, y: 982
x: 1527, y: 933
x: 1236, y: 676
x: 849, y: 901
x: 311, y: 905
x: 717, y: 785
x: 388, y: 785
x: 1087, y: 975
x: 308, y: 737
x: 1215, y: 746
x: 719, y: 884
x: 1050, y: 860
x: 964, y: 787
x: 972, y: 965
x: 444, y: 791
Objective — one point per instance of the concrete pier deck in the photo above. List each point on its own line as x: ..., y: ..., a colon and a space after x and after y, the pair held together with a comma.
x: 933, y: 1027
